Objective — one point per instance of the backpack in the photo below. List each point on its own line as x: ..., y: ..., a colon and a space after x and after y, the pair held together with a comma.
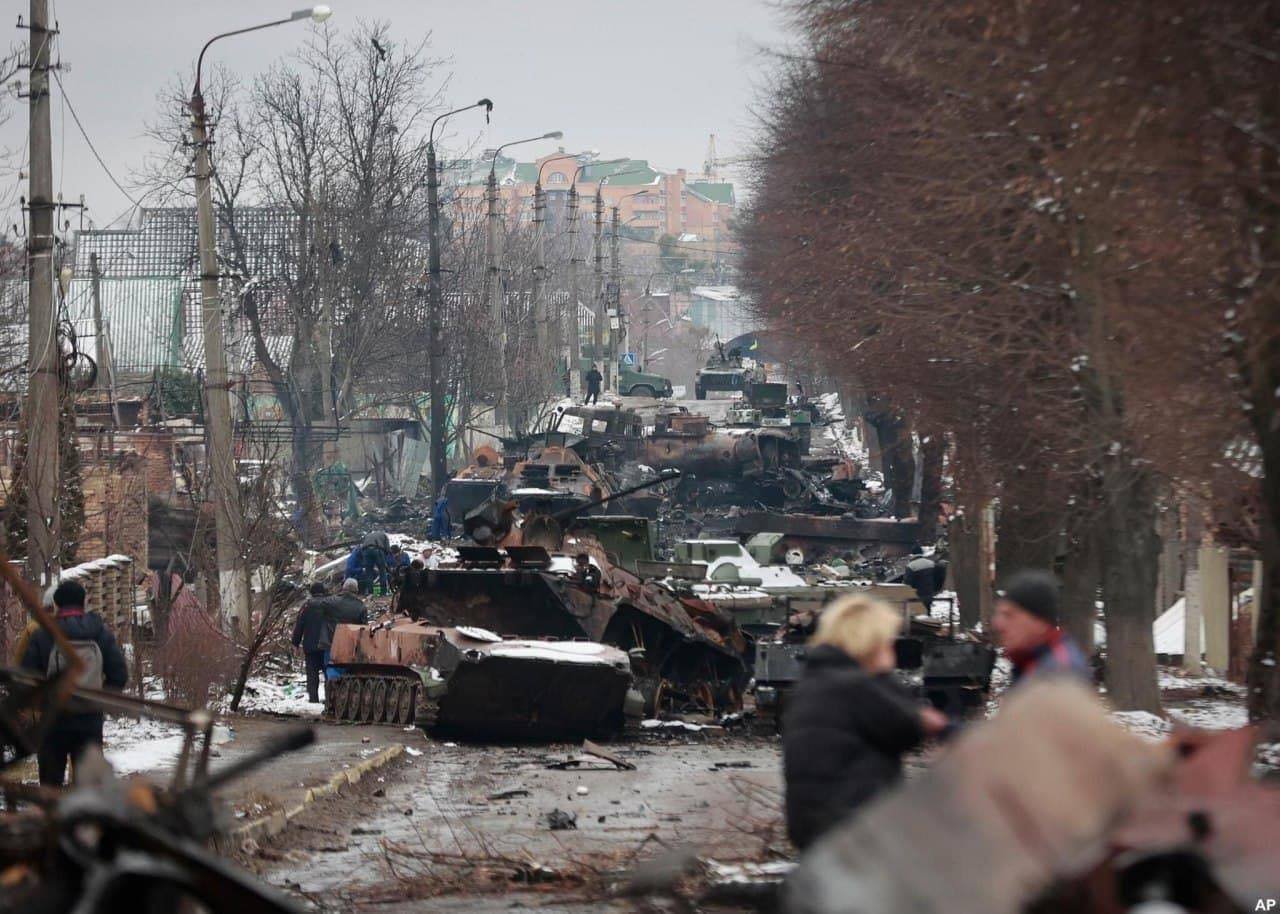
x: 90, y: 655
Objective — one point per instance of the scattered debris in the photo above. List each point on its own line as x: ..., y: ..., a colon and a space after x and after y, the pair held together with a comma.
x: 559, y: 820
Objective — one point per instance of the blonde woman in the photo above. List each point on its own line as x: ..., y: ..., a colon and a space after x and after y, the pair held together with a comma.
x: 848, y: 722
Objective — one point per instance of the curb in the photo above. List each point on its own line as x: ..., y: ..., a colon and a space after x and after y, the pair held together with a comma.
x: 271, y: 825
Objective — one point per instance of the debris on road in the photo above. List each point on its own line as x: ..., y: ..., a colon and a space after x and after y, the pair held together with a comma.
x: 559, y: 820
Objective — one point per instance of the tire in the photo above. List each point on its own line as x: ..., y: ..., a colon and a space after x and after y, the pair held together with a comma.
x: 643, y: 390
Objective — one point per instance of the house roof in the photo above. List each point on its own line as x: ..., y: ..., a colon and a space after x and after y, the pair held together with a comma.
x: 715, y: 191
x: 627, y: 173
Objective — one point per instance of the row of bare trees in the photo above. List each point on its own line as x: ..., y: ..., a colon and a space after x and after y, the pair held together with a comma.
x: 1046, y: 232
x: 332, y: 142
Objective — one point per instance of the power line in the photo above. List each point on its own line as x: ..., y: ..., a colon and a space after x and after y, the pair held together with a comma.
x: 76, y: 117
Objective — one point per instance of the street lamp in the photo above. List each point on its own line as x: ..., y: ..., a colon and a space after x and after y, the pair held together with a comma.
x: 617, y: 343
x: 435, y: 304
x: 494, y: 226
x: 224, y: 485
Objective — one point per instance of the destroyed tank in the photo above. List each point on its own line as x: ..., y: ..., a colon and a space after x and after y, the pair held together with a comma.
x: 468, y: 679
x: 519, y: 579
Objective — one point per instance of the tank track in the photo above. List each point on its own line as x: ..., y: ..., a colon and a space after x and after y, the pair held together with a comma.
x: 372, y: 698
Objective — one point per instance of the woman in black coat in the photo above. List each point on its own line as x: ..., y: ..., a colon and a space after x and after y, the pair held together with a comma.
x: 848, y: 722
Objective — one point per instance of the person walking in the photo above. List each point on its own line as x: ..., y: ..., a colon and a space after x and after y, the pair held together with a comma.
x: 343, y: 608
x: 848, y: 722
x: 310, y: 634
x: 594, y: 379
x: 441, y: 522
x: 376, y: 547
x: 1026, y: 620
x: 104, y: 667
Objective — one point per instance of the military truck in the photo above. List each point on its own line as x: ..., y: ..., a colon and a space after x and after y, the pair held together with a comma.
x: 639, y: 383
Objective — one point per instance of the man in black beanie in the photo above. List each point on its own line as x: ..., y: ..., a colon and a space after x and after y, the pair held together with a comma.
x: 1026, y: 625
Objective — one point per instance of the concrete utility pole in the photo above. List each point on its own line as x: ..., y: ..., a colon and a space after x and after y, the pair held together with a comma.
x: 539, y: 267
x: 224, y: 483
x: 497, y: 309
x: 42, y: 464
x: 493, y: 280
x: 572, y: 338
x: 597, y: 343
x: 102, y: 351
x: 617, y: 342
x: 437, y: 420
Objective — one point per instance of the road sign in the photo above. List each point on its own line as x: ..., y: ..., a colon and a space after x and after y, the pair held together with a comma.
x: 629, y: 359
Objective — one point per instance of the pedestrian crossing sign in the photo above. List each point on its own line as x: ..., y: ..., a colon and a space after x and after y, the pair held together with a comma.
x: 629, y: 359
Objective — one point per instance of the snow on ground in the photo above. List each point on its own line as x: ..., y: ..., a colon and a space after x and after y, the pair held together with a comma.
x: 132, y: 746
x: 279, y: 695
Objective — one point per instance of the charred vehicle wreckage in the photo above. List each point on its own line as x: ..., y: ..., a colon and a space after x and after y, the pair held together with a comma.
x: 536, y: 630
x: 587, y: 594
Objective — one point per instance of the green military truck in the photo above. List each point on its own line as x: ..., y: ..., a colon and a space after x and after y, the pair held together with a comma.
x: 634, y: 383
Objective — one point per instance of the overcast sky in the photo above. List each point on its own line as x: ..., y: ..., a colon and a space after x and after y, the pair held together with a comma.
x: 642, y: 78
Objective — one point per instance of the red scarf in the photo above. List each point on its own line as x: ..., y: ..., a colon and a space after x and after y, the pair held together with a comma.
x: 1026, y: 660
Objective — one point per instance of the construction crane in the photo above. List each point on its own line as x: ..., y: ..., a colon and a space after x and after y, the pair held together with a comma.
x: 713, y: 162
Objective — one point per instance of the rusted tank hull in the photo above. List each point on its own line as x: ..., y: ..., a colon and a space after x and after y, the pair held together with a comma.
x: 684, y: 650
x: 471, y: 681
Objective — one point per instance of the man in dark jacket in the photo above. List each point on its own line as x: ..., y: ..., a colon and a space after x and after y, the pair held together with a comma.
x: 310, y: 633
x: 594, y: 379
x: 376, y: 546
x: 1026, y: 624
x: 847, y: 723
x: 104, y: 667
x: 926, y: 575
x: 343, y: 608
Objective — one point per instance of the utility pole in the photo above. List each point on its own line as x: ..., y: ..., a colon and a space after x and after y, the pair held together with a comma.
x: 224, y: 484
x: 497, y: 313
x: 573, y: 339
x: 597, y: 343
x: 102, y: 352
x: 618, y: 343
x: 539, y: 267
x: 42, y: 464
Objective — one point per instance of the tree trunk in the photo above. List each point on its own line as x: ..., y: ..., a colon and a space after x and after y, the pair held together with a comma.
x: 932, y: 449
x: 1130, y: 551
x: 1264, y: 665
x: 307, y: 455
x: 968, y: 579
x: 1027, y: 535
x: 1081, y: 575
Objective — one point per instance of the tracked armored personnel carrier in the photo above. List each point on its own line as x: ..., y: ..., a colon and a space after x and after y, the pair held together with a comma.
x: 470, y: 680
x: 521, y: 580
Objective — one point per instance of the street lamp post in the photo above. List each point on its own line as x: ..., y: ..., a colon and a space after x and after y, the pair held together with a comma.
x: 574, y: 343
x: 435, y: 307
x: 224, y: 484
x: 494, y: 273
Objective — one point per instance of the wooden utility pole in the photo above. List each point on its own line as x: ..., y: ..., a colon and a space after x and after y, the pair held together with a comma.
x: 618, y: 342
x: 42, y: 463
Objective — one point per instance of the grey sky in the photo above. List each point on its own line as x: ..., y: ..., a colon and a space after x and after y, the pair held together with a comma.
x: 643, y: 78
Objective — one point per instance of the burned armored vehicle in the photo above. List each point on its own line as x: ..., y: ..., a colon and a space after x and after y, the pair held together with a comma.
x: 524, y: 579
x: 468, y: 679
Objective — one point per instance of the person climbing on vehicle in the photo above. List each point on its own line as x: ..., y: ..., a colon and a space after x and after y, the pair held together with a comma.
x: 1026, y: 625
x: 397, y: 564
x: 594, y: 379
x: 75, y: 728
x: 310, y: 634
x: 848, y: 722
x: 585, y: 574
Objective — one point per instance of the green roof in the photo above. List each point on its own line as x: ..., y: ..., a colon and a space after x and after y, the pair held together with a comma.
x: 627, y: 173
x: 715, y: 191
